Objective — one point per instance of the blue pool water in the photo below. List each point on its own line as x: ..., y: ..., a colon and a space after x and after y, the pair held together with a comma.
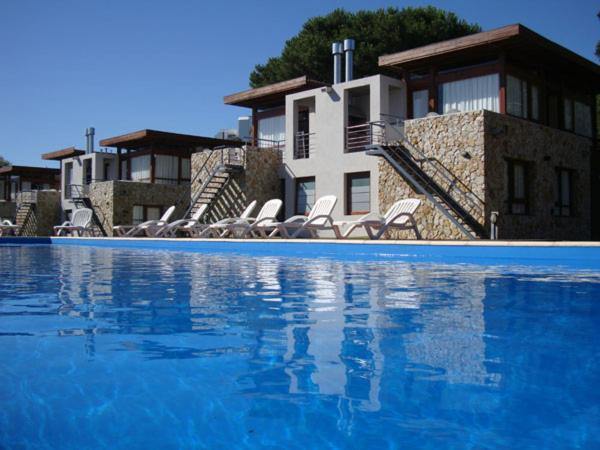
x: 128, y: 348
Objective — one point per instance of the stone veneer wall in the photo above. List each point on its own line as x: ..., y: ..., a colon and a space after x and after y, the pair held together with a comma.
x: 113, y: 201
x: 474, y: 147
x: 8, y: 210
x: 46, y: 214
x: 259, y: 181
x: 447, y: 138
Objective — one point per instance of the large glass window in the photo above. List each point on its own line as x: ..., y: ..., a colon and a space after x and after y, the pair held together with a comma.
x: 271, y: 131
x: 563, y: 192
x: 583, y: 118
x: 568, y: 113
x: 166, y: 169
x: 305, y: 194
x: 535, y: 102
x: 140, y: 168
x: 471, y: 94
x: 518, y: 185
x: 358, y: 193
x: 186, y: 169
x: 420, y: 103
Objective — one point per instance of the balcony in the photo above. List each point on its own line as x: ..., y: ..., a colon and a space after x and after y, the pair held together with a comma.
x: 359, y: 137
x: 304, y: 145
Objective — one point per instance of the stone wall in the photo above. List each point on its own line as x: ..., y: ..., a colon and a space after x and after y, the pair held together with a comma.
x: 47, y: 212
x: 545, y: 149
x: 113, y: 201
x: 8, y: 210
x: 457, y: 142
x: 258, y: 181
x: 474, y: 146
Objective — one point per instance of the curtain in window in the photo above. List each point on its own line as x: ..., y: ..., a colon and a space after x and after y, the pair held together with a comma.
x: 271, y: 131
x: 583, y: 119
x: 360, y: 194
x: 140, y: 168
x: 420, y: 103
x: 166, y: 169
x: 186, y: 169
x: 138, y: 214
x: 305, y: 196
x: 535, y: 103
x: 568, y: 112
x: 516, y: 96
x: 471, y: 94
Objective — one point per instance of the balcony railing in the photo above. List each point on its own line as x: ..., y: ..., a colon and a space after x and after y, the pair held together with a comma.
x: 269, y: 143
x: 304, y: 145
x: 358, y: 137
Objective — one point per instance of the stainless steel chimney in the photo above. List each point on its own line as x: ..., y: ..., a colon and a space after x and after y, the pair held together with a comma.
x: 349, y: 50
x: 89, y: 134
x: 337, y: 50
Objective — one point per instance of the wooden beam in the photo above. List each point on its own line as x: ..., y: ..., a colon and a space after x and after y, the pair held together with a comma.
x: 254, y: 127
x: 502, y: 77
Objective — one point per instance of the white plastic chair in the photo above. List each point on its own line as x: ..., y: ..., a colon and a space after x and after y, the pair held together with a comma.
x: 149, y: 228
x: 217, y: 228
x: 266, y: 218
x: 318, y: 219
x: 7, y: 227
x: 186, y: 226
x: 78, y: 225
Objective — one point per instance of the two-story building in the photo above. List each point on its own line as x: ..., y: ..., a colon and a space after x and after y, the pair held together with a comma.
x: 499, y: 122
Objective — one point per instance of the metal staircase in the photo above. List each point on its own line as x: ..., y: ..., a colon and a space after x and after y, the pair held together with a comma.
x: 26, y: 219
x: 81, y: 199
x: 214, y: 175
x: 431, y: 178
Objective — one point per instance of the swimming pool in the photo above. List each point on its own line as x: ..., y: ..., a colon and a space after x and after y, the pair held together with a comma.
x: 230, y: 347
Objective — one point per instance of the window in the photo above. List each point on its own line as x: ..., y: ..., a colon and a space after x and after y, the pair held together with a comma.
x: 420, y: 103
x: 166, y: 169
x: 106, y: 165
x: 358, y: 193
x: 305, y: 194
x: 563, y: 193
x: 516, y: 96
x: 583, y: 118
x: 140, y: 168
x: 186, y: 170
x: 471, y: 94
x: 568, y: 113
x: 518, y: 185
x: 142, y: 213
x: 535, y: 102
x: 271, y: 131
x: 68, y: 179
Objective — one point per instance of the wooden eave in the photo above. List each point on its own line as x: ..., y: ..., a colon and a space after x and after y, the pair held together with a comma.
x: 29, y: 171
x: 272, y: 95
x: 516, y: 41
x: 58, y: 155
x: 162, y: 139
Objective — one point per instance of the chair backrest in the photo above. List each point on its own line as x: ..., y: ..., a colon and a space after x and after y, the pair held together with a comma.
x: 322, y: 207
x: 168, y: 213
x: 407, y: 206
x: 248, y: 210
x: 82, y: 217
x: 7, y: 223
x: 269, y: 210
x: 196, y: 216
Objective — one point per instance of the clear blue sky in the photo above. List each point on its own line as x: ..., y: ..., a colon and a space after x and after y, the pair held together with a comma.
x: 125, y: 65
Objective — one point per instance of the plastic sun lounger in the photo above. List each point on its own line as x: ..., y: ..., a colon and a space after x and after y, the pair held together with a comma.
x: 318, y: 219
x: 149, y: 228
x: 79, y: 224
x: 217, y: 228
x: 265, y: 219
x: 189, y: 226
x: 400, y: 216
x: 6, y: 226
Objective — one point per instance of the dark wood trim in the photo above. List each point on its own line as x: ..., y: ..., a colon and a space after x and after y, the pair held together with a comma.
x: 254, y: 127
x: 118, y: 159
x: 433, y: 90
x: 502, y: 80
x: 128, y: 165
x: 152, y: 167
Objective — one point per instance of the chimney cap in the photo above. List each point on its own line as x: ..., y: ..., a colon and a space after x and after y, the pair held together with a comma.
x: 336, y: 48
x: 348, y: 44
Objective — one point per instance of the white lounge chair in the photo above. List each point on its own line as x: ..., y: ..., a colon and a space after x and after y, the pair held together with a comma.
x: 79, y: 225
x: 318, y: 219
x: 189, y: 226
x: 7, y: 227
x: 149, y: 228
x: 218, y: 227
x: 400, y: 216
x: 265, y: 220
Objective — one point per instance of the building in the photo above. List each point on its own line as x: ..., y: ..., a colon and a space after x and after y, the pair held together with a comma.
x: 501, y: 122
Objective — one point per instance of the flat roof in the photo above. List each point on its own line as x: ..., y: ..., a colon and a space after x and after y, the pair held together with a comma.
x: 146, y: 138
x: 516, y: 36
x: 28, y: 170
x: 57, y: 155
x: 273, y: 94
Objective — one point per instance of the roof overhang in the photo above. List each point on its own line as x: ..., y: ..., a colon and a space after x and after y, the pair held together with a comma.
x: 162, y: 139
x: 272, y: 95
x: 29, y: 171
x: 58, y: 155
x: 515, y: 40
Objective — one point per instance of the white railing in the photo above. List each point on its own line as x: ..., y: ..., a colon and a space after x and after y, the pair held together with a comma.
x: 304, y: 145
x: 359, y: 137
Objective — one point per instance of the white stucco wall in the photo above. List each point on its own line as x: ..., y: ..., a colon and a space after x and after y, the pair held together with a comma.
x: 328, y: 161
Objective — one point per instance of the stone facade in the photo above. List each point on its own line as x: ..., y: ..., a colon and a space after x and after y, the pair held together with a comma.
x: 258, y: 181
x: 8, y: 210
x: 113, y: 201
x: 47, y: 212
x: 474, y: 147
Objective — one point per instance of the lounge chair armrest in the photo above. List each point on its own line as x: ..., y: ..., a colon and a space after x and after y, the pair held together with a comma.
x: 314, y: 219
x: 397, y: 216
x: 298, y: 218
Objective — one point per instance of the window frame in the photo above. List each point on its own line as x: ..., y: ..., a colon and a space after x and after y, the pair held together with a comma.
x: 145, y: 208
x: 559, y: 207
x: 298, y: 181
x: 511, y: 164
x: 348, y: 192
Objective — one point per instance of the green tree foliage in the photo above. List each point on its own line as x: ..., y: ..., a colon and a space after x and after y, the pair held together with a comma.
x: 3, y: 162
x: 377, y: 33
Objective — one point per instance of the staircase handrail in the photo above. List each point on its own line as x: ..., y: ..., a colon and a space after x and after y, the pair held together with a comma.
x: 456, y: 185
